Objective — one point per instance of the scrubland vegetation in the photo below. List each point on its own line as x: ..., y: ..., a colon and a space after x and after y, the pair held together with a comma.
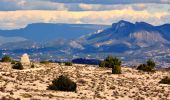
x: 68, y: 64
x: 63, y: 83
x: 6, y: 59
x: 108, y: 80
x: 165, y: 80
x: 148, y: 67
x: 18, y: 66
x: 112, y: 62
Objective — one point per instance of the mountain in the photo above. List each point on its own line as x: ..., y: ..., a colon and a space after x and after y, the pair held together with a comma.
x: 45, y: 32
x: 125, y: 36
x: 130, y: 41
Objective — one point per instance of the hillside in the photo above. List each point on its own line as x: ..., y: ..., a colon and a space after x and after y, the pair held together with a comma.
x: 125, y: 36
x: 93, y: 83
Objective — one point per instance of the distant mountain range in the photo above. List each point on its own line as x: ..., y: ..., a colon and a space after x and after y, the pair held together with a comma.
x: 128, y: 40
x: 45, y: 32
x: 124, y: 36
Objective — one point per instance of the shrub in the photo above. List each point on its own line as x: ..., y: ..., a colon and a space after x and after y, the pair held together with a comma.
x: 18, y: 65
x: 44, y: 62
x: 151, y: 63
x: 144, y: 67
x: 6, y: 59
x: 14, y: 62
x: 165, y: 80
x: 112, y: 62
x: 102, y: 64
x: 116, y: 69
x: 63, y: 83
x: 68, y: 64
x: 32, y: 65
x: 147, y: 67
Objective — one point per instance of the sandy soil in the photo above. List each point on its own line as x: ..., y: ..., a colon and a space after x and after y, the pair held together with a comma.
x: 93, y: 83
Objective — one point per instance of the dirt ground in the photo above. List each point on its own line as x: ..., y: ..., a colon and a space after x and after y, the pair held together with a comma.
x: 93, y: 83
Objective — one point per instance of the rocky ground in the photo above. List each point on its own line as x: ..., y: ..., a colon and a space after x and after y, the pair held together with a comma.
x: 93, y: 83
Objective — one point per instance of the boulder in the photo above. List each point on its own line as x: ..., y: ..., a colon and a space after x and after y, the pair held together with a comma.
x: 25, y: 59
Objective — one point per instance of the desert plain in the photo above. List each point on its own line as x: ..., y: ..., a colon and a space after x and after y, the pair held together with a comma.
x: 93, y: 83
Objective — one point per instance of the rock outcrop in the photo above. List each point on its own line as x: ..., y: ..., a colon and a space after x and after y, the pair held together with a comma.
x: 25, y: 60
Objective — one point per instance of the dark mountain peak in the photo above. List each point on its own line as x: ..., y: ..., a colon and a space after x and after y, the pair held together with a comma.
x: 122, y: 24
x: 127, y: 23
x: 123, y: 21
x: 143, y: 24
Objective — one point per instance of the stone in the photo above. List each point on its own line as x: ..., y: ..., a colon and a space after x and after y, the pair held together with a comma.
x: 25, y: 59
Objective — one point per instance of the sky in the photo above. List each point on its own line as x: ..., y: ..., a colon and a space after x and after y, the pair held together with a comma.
x: 16, y: 14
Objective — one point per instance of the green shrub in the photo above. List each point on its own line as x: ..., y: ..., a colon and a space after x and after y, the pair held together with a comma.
x: 144, y: 67
x: 44, y: 62
x: 63, y: 83
x: 112, y: 62
x: 116, y: 69
x: 151, y: 63
x: 147, y: 67
x: 6, y: 59
x: 165, y: 80
x: 68, y: 64
x: 102, y: 64
x: 18, y: 65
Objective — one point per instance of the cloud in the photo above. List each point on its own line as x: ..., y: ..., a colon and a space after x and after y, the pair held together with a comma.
x: 165, y: 1
x: 111, y: 1
x: 19, y: 19
x: 140, y: 7
x: 12, y: 5
x: 86, y: 6
x: 78, y: 5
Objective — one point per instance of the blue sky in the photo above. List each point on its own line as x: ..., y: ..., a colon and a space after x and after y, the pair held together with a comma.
x: 19, y: 13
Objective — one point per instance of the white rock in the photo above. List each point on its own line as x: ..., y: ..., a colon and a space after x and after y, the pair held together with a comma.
x: 25, y: 59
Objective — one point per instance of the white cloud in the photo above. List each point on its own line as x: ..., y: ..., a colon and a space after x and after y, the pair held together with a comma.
x: 12, y: 5
x: 18, y: 19
x: 165, y: 1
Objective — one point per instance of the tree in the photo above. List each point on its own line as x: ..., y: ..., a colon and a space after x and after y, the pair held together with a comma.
x: 112, y: 62
x: 151, y: 63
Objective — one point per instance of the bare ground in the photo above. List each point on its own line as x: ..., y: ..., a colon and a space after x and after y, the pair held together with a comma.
x: 93, y: 83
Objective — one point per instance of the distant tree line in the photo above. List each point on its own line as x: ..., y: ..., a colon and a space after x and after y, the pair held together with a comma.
x: 86, y: 61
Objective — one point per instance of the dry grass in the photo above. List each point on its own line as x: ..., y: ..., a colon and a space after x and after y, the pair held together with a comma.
x: 93, y: 83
